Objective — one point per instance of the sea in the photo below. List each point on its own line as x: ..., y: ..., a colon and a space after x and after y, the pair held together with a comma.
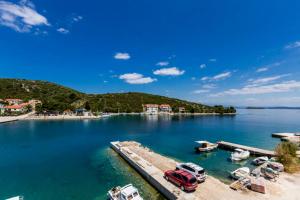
x: 72, y: 159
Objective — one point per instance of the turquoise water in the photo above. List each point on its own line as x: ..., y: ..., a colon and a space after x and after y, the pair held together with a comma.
x: 72, y: 159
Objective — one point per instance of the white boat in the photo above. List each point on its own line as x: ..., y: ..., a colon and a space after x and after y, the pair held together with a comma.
x: 260, y: 160
x: 16, y: 198
x: 239, y: 173
x: 239, y: 155
x: 128, y: 192
x: 205, y: 146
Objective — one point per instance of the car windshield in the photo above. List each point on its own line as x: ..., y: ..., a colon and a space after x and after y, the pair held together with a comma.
x: 193, y: 180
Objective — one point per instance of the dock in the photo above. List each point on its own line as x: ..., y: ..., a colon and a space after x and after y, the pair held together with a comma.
x: 253, y: 150
x: 282, y: 135
x: 152, y: 165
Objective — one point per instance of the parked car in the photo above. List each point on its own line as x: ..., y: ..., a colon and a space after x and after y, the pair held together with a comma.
x: 193, y: 169
x: 183, y: 179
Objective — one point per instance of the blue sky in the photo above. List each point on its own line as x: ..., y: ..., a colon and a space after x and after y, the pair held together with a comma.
x: 217, y: 52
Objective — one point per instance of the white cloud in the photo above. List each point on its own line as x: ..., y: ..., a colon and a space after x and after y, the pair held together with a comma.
x: 205, y: 78
x: 63, y: 30
x: 209, y: 86
x: 77, y: 18
x: 135, y: 78
x: 193, y: 78
x: 263, y: 89
x: 172, y: 71
x: 212, y: 60
x: 202, y: 66
x: 293, y: 45
x: 164, y: 63
x: 265, y: 80
x: 20, y: 17
x: 222, y: 76
x: 122, y: 56
x: 200, y: 91
x: 262, y: 69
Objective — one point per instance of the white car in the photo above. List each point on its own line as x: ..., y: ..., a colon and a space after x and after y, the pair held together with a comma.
x: 193, y: 169
x: 128, y: 192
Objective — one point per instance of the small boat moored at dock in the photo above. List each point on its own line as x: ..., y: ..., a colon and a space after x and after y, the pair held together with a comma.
x: 205, y: 146
x: 128, y: 192
x: 239, y: 155
x: 239, y: 173
x: 16, y: 198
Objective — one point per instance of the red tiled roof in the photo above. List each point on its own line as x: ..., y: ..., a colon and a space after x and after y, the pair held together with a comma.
x: 13, y: 107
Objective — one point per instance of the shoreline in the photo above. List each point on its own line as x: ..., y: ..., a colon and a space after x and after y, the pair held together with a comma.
x: 31, y: 116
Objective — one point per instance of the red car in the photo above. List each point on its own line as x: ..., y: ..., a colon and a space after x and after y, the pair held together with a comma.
x: 183, y: 179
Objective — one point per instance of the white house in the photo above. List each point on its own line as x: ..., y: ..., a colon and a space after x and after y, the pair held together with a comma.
x: 166, y: 108
x: 151, y: 109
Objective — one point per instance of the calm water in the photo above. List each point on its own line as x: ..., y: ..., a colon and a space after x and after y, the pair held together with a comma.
x: 72, y: 160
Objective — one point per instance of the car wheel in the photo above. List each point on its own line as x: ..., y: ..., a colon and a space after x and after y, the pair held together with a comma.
x: 182, y: 188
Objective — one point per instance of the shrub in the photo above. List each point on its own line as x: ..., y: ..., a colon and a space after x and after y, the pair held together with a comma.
x: 287, y: 155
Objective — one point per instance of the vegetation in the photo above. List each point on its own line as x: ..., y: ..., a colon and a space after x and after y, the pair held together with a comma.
x: 287, y: 155
x: 59, y: 98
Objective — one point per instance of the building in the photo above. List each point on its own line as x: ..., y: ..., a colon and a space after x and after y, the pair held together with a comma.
x: 166, y: 108
x: 181, y: 109
x: 13, y: 101
x: 16, y: 108
x: 151, y: 109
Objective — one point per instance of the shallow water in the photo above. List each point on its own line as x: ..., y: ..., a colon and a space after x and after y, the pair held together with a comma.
x: 72, y: 159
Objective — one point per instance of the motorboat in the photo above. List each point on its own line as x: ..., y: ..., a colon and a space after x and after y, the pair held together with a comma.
x: 239, y: 173
x: 239, y: 155
x: 269, y: 173
x: 128, y: 192
x: 205, y: 146
x: 16, y: 198
x: 260, y: 160
x: 276, y: 166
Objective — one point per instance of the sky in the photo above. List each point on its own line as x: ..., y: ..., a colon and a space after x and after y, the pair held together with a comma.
x: 233, y: 52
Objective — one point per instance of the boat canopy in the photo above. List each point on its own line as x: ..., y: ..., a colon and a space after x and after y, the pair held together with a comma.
x: 202, y: 142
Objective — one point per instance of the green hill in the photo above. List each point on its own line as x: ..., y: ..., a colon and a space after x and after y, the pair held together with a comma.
x: 59, y: 98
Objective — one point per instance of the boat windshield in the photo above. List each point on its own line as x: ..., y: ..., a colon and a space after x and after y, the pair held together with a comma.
x: 201, y: 171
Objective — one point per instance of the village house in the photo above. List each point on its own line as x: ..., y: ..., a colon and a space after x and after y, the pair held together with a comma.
x: 165, y: 108
x: 15, y: 108
x: 13, y: 101
x: 181, y: 109
x: 151, y: 109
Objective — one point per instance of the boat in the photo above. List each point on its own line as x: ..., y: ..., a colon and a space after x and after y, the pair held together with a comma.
x: 269, y: 173
x: 205, y: 146
x: 239, y: 173
x: 16, y: 198
x: 239, y: 155
x: 276, y: 166
x: 260, y: 160
x: 128, y: 192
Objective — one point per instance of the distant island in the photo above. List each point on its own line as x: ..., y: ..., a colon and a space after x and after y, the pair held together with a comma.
x: 55, y: 98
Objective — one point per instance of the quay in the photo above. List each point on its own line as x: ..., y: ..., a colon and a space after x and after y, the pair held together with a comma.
x: 282, y: 135
x: 253, y: 150
x: 152, y: 165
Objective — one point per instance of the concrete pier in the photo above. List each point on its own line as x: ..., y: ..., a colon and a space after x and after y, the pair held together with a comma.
x: 282, y: 135
x: 152, y: 165
x: 252, y: 150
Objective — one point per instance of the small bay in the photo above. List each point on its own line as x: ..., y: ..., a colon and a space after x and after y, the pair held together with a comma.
x: 46, y: 160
